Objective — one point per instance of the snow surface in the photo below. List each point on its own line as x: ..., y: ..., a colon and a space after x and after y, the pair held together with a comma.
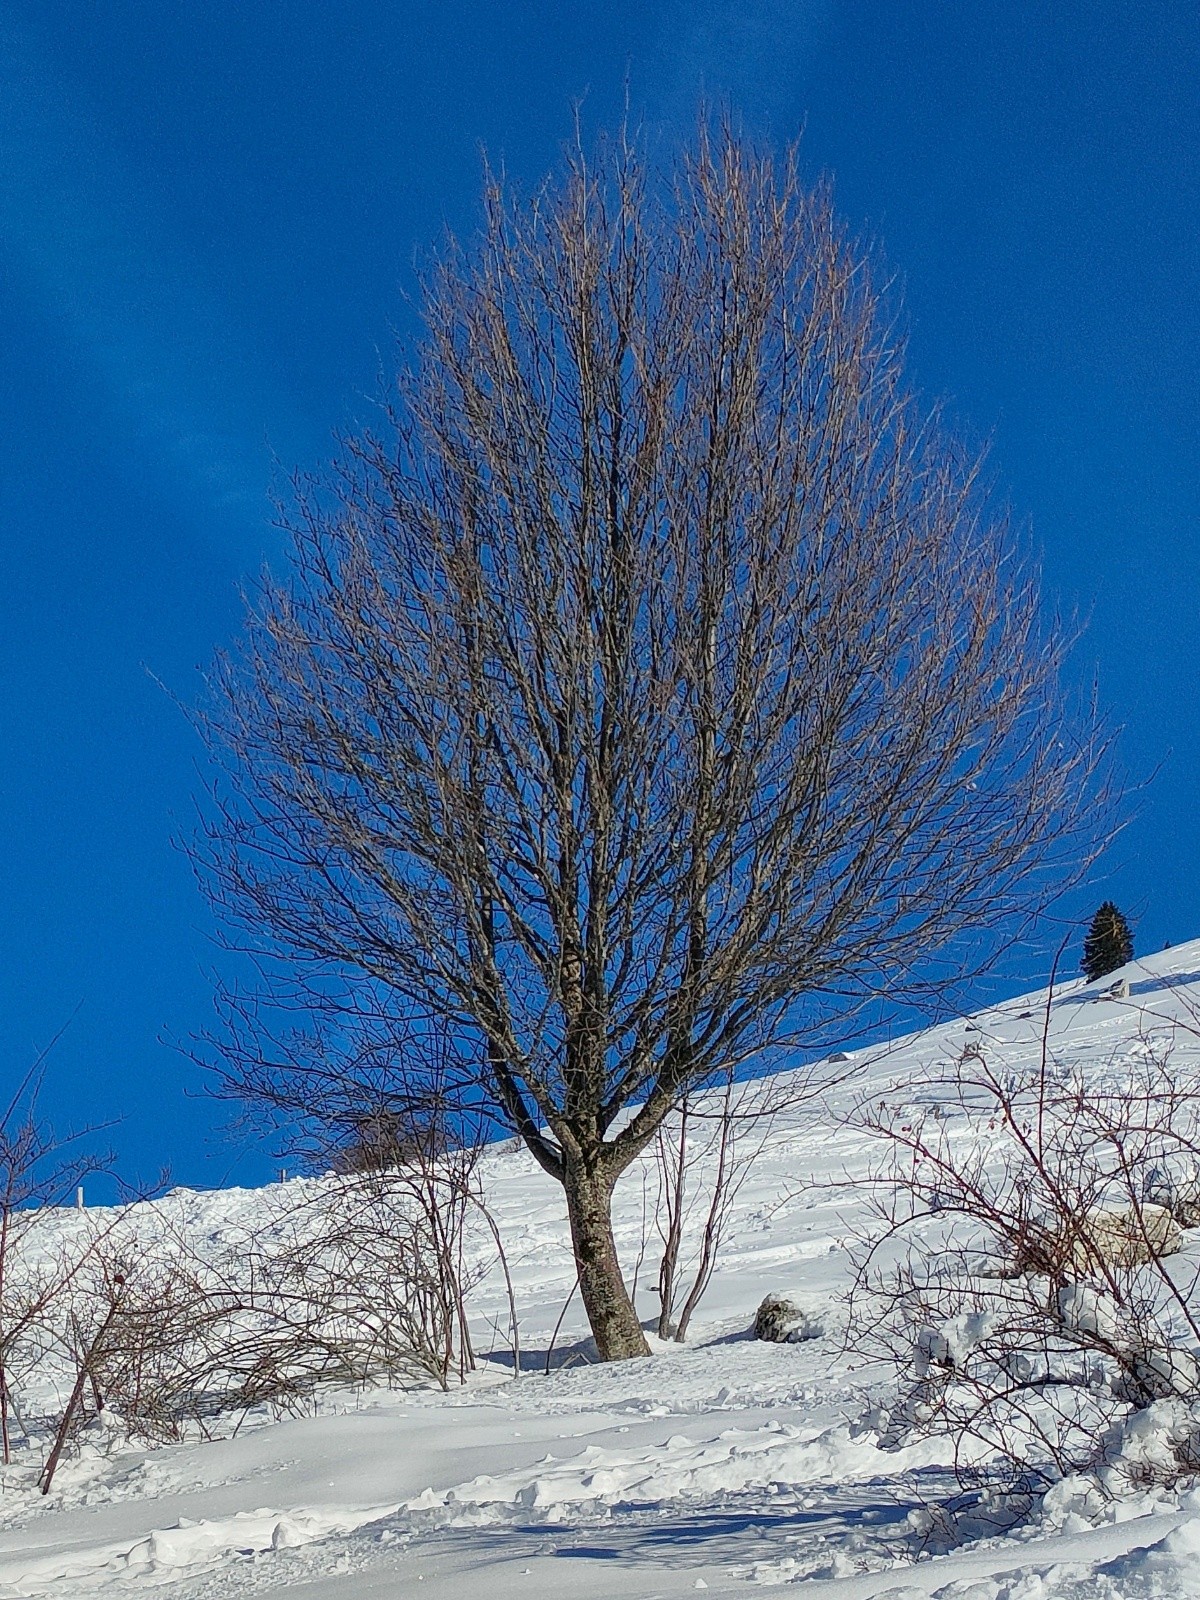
x: 725, y: 1465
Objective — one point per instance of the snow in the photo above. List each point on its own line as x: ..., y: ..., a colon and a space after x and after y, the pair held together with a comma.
x: 726, y: 1465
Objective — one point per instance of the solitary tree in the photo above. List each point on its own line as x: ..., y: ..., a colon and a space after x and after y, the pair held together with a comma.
x: 658, y: 672
x: 1108, y: 943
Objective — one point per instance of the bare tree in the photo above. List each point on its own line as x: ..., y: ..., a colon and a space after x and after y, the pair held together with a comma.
x: 660, y: 674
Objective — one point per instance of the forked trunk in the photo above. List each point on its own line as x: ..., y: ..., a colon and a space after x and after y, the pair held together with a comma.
x: 614, y: 1322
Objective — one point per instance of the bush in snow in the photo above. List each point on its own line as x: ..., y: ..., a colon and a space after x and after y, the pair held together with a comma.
x: 1025, y: 1278
x: 1154, y: 1449
x: 1123, y: 1237
x: 380, y: 1139
x: 38, y: 1171
x: 1108, y: 943
x: 146, y: 1330
x: 702, y: 1155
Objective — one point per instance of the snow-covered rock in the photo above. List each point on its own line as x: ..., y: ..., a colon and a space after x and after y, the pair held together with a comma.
x: 779, y: 1320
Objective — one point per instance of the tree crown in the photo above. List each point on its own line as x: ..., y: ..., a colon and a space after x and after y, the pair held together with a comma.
x: 662, y: 667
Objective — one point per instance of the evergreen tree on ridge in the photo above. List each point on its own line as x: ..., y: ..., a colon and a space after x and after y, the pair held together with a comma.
x: 1109, y: 943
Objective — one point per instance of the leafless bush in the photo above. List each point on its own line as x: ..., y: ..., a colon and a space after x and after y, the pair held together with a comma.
x: 38, y: 1169
x: 701, y: 1157
x: 359, y: 1282
x: 1024, y: 1272
x: 346, y: 1281
x: 377, y: 1140
x: 374, y: 1277
x: 87, y: 1349
x: 418, y: 1159
x: 358, y: 1278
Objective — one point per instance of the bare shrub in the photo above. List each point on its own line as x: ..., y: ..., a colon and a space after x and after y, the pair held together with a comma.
x: 358, y: 1278
x: 702, y: 1156
x: 347, y: 1281
x: 38, y: 1169
x: 356, y: 1283
x: 377, y: 1140
x: 1022, y: 1275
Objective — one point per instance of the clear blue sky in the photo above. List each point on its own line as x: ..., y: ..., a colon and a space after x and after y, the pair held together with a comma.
x: 208, y: 209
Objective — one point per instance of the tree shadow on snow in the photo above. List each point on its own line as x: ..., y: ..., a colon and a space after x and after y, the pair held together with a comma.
x: 1139, y: 988
x: 654, y: 1534
x: 579, y: 1353
x: 583, y: 1353
x: 739, y: 1336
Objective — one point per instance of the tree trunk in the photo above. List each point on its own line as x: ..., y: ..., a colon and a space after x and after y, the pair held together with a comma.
x: 614, y: 1322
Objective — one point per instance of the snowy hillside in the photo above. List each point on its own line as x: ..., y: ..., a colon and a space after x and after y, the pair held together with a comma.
x: 723, y: 1465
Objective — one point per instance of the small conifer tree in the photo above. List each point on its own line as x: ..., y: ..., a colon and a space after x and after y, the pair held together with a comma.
x: 1109, y: 943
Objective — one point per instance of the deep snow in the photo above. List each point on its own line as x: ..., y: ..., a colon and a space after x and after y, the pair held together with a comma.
x: 726, y: 1464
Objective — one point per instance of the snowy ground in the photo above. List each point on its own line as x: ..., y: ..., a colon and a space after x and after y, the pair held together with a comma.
x: 727, y: 1465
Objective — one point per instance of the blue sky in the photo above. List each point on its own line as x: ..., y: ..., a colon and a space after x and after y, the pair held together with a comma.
x: 208, y: 215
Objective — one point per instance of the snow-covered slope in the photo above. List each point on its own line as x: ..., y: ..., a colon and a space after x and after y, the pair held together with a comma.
x: 725, y: 1465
